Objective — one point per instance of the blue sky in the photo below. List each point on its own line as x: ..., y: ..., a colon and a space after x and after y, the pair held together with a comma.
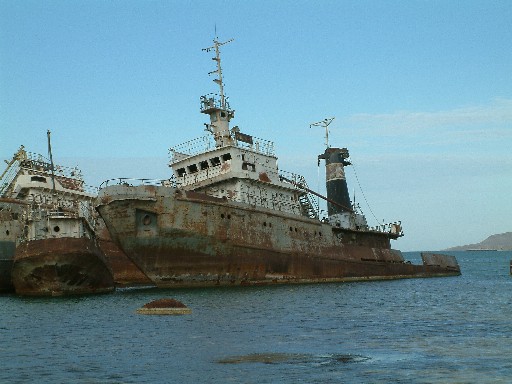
x: 421, y: 92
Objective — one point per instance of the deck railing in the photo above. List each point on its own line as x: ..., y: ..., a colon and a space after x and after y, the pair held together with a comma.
x: 34, y: 163
x: 134, y: 182
x: 206, y: 143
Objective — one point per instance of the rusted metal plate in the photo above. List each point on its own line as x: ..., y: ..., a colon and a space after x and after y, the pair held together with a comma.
x: 440, y: 260
x: 124, y: 271
x: 60, y: 266
x: 196, y: 240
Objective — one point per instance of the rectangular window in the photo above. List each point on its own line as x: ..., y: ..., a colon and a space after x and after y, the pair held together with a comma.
x: 192, y: 168
x: 248, y: 166
x: 203, y: 165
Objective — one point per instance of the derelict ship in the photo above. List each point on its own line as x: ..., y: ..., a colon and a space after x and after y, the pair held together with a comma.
x: 49, y: 244
x: 229, y: 216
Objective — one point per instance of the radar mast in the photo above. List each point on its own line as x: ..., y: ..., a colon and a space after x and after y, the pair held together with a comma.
x: 217, y: 106
x: 324, y: 123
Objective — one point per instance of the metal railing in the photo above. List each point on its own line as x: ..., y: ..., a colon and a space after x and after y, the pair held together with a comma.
x: 69, y: 177
x: 134, y: 182
x: 206, y: 143
x: 8, y: 177
x: 307, y: 200
x: 214, y: 101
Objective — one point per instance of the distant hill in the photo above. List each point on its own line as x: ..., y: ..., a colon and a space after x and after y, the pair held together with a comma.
x: 500, y: 242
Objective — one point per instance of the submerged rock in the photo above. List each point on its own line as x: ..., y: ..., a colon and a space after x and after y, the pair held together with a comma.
x: 164, y: 307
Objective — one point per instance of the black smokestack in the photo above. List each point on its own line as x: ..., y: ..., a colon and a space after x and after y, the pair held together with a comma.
x: 335, y: 161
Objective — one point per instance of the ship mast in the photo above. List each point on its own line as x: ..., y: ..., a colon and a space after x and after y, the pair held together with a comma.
x: 217, y: 106
x: 218, y: 71
x: 51, y: 160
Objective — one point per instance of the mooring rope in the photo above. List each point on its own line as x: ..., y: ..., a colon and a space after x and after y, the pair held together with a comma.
x: 364, y: 196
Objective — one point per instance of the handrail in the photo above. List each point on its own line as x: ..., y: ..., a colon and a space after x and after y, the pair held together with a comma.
x: 133, y: 182
x: 206, y: 143
x: 70, y: 177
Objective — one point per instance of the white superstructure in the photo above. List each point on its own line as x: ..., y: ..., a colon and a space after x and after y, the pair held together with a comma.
x: 235, y: 166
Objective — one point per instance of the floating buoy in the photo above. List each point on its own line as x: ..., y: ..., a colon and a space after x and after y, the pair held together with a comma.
x: 164, y: 307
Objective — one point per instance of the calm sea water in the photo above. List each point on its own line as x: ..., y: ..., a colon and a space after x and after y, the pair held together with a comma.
x: 443, y: 330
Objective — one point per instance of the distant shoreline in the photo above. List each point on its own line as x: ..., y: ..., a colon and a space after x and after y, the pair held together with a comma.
x: 498, y: 242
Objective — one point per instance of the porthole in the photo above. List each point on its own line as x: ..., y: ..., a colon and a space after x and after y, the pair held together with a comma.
x: 229, y: 217
x: 291, y: 229
x: 264, y: 223
x: 7, y: 232
x: 221, y: 215
x: 146, y: 220
x: 56, y: 228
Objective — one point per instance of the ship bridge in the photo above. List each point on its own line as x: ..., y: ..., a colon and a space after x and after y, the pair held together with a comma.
x: 232, y: 165
x: 200, y: 162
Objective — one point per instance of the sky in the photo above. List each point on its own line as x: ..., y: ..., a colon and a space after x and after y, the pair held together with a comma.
x: 421, y: 93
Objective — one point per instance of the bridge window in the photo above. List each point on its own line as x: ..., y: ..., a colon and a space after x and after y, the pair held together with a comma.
x: 215, y: 161
x: 181, y: 172
x: 248, y: 166
x: 203, y: 165
x: 38, y: 178
x: 192, y: 168
x: 226, y: 156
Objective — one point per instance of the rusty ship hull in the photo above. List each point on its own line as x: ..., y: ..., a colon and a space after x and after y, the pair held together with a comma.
x: 10, y: 228
x: 60, y: 266
x: 125, y: 273
x: 189, y: 239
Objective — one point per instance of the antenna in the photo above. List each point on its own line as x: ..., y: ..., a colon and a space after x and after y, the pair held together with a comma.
x: 218, y: 71
x: 324, y: 123
x: 51, y: 160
